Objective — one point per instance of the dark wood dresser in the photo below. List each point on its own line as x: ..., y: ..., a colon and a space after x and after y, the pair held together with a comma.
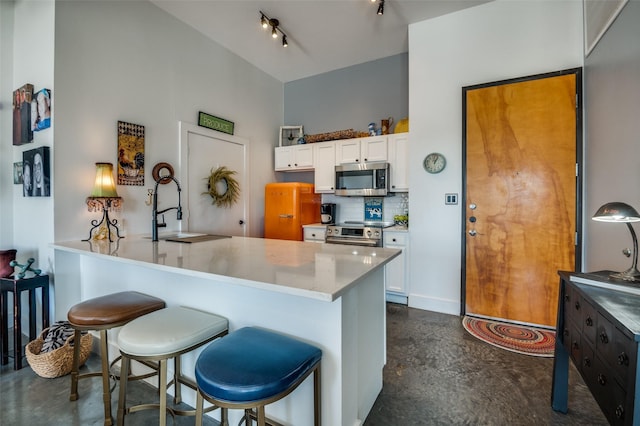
x: 598, y: 328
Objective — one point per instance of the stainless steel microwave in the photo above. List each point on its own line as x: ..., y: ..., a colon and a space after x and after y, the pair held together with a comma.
x: 362, y: 179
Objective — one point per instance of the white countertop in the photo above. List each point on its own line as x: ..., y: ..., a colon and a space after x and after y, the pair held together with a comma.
x: 318, y: 271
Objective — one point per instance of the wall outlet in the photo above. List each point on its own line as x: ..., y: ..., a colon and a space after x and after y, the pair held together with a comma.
x: 451, y: 199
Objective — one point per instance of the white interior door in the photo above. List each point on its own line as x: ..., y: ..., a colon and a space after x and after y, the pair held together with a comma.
x: 202, y: 150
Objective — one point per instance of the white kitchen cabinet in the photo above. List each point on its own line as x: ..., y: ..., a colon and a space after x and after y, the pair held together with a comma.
x: 396, y: 271
x: 324, y: 161
x: 314, y: 233
x: 294, y: 157
x: 398, y: 162
x: 361, y: 150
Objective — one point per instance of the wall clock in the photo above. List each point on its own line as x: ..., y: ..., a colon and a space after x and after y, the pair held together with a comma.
x: 434, y: 162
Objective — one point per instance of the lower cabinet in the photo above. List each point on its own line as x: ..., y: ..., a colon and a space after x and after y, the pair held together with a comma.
x: 314, y: 233
x: 395, y: 273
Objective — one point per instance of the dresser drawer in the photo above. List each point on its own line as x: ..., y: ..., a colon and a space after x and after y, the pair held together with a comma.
x: 611, y: 397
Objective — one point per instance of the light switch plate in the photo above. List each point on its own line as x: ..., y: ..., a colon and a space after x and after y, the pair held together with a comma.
x: 451, y: 198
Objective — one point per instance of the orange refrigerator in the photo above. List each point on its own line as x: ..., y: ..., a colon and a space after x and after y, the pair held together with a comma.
x: 288, y: 206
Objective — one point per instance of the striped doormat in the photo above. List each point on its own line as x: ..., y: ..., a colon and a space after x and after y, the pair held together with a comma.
x: 512, y: 337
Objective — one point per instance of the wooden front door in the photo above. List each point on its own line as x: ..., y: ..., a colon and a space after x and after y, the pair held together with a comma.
x: 520, y: 194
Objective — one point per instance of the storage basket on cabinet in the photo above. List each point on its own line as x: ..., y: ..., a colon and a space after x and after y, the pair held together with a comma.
x: 59, y: 361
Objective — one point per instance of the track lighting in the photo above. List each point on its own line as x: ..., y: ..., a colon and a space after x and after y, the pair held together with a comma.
x: 265, y: 22
x: 381, y: 8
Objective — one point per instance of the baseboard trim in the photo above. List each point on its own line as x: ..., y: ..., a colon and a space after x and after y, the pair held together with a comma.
x: 444, y: 306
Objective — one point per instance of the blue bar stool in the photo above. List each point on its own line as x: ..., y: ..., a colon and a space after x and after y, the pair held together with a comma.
x: 251, y: 368
x: 102, y: 314
x: 157, y: 337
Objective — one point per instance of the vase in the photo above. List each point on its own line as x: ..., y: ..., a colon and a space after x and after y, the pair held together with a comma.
x: 6, y: 256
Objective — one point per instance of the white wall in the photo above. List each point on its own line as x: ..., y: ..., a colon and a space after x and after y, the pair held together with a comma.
x: 27, y: 57
x: 490, y: 42
x: 133, y: 62
x: 612, y: 107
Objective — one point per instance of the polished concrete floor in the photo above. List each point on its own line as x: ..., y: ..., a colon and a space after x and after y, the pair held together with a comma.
x: 436, y: 374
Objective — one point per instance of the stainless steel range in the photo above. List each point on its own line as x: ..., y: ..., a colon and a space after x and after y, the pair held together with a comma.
x: 367, y: 234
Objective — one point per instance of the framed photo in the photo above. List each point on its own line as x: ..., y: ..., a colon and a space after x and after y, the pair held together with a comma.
x: 17, y: 173
x: 22, y: 125
x: 36, y: 172
x: 41, y: 110
x: 289, y: 135
x: 130, y: 154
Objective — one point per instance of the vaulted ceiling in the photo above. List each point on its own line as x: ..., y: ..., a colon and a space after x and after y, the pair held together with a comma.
x: 323, y: 35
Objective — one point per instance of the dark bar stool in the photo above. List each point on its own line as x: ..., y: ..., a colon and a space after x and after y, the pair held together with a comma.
x: 17, y: 286
x: 102, y: 314
x: 251, y: 368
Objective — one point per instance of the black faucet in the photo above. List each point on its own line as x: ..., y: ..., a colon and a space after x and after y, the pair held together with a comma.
x: 154, y: 215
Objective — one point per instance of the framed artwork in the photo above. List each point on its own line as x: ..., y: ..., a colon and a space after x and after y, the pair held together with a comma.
x: 22, y: 126
x: 289, y: 135
x: 41, y: 110
x: 130, y: 154
x: 17, y: 173
x: 36, y: 172
x: 373, y: 208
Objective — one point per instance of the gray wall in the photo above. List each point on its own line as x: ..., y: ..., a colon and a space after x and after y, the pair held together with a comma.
x: 349, y: 98
x: 612, y: 143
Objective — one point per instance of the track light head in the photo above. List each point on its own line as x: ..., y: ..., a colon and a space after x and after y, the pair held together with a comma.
x: 265, y: 22
x: 381, y: 8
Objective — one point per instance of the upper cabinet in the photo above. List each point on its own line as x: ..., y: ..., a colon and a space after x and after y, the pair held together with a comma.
x: 324, y: 155
x: 398, y: 162
x: 361, y: 150
x: 294, y: 157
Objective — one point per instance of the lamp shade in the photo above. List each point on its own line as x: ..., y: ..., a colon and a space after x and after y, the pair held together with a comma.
x: 616, y: 212
x: 104, y: 185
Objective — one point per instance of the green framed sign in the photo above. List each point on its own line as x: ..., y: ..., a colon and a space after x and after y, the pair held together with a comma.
x: 215, y: 123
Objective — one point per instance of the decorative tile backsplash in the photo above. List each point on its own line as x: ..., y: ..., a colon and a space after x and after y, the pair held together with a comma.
x: 352, y: 208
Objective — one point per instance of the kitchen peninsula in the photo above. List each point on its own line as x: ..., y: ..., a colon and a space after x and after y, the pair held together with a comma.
x: 330, y: 295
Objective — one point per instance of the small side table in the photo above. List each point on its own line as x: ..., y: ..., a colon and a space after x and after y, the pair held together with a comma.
x: 17, y: 286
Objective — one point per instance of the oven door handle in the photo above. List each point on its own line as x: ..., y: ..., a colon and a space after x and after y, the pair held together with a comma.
x: 367, y: 243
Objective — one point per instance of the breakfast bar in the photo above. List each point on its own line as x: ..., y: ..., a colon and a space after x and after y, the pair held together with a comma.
x: 329, y: 295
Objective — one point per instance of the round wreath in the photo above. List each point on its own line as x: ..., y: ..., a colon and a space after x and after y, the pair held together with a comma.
x: 230, y: 195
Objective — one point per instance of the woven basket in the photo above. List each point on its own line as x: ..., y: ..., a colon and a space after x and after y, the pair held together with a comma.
x: 59, y: 361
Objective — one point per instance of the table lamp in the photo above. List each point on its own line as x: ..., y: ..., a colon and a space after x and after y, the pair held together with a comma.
x: 104, y: 198
x: 622, y: 213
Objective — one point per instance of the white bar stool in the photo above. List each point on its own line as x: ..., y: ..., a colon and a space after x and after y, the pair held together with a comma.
x: 158, y: 336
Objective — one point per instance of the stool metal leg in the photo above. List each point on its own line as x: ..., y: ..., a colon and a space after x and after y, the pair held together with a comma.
x: 122, y: 397
x: 177, y: 388
x: 106, y: 390
x: 163, y: 392
x: 73, y: 396
x: 199, y: 408
x: 316, y: 397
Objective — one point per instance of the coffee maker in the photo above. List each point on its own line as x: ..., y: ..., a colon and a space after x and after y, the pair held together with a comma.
x: 328, y: 213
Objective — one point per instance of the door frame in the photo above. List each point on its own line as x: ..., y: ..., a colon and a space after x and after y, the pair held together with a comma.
x: 185, y: 129
x: 579, y: 169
